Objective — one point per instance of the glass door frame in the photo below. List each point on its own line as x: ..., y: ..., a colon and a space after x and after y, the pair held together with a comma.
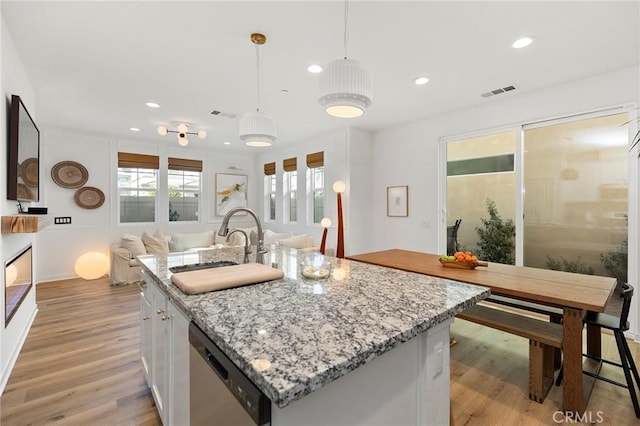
x: 442, y: 183
x: 633, y: 198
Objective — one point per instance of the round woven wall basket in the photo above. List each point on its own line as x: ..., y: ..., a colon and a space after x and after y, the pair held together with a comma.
x: 89, y: 197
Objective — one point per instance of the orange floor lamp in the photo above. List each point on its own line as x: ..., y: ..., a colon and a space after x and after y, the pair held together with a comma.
x: 339, y: 187
x: 325, y: 223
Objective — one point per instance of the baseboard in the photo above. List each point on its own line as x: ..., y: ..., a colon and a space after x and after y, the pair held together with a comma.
x: 54, y: 278
x: 634, y: 336
x: 14, y: 356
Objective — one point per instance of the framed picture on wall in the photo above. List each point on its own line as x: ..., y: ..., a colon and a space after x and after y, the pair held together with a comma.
x: 231, y: 192
x: 398, y: 201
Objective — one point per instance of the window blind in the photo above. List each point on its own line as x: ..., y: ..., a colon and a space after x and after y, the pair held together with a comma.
x: 184, y: 164
x: 270, y: 168
x: 138, y: 161
x: 290, y: 164
x: 315, y: 160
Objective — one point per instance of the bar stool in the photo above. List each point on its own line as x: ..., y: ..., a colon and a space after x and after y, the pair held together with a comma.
x: 618, y: 325
x: 452, y: 238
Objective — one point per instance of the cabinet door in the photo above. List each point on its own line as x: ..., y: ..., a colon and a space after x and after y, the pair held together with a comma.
x: 145, y: 336
x: 179, y: 376
x: 159, y: 350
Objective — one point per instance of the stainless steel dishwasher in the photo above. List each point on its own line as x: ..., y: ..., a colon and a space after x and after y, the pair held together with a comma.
x: 220, y: 394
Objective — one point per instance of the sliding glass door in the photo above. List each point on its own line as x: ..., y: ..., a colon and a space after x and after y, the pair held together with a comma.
x: 576, y: 195
x: 481, y: 176
x: 552, y: 195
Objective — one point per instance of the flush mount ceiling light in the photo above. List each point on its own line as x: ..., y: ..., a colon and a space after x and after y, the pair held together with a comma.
x: 419, y: 81
x: 182, y: 130
x: 346, y: 87
x: 522, y: 42
x: 314, y: 69
x: 257, y: 128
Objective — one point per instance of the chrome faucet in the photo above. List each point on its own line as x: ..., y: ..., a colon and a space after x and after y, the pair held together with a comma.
x: 224, y: 230
x: 247, y: 250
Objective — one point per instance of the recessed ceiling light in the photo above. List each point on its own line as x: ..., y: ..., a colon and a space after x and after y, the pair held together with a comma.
x: 285, y: 91
x: 152, y: 105
x: 227, y: 143
x: 522, y: 42
x: 421, y: 80
x: 314, y: 69
x: 134, y: 129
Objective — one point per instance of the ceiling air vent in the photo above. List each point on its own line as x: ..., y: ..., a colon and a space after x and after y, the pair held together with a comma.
x: 498, y: 91
x: 223, y: 114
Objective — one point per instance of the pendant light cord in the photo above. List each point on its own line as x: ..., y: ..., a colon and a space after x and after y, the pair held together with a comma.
x: 258, y: 74
x: 346, y: 27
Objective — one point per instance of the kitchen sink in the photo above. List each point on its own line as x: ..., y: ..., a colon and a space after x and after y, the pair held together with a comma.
x: 204, y: 265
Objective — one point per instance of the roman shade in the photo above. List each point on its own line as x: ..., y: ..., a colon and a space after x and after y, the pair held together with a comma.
x: 315, y: 160
x: 138, y: 161
x: 184, y: 164
x: 290, y: 164
x: 270, y: 169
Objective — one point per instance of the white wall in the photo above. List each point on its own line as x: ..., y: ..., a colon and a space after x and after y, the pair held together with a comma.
x: 408, y: 155
x: 13, y: 81
x: 347, y: 158
x: 96, y: 229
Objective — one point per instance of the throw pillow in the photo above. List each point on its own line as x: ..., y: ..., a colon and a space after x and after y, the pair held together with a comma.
x: 189, y: 241
x: 271, y: 237
x: 175, y: 245
x: 156, y: 243
x: 237, y: 239
x: 134, y: 245
x: 296, y: 242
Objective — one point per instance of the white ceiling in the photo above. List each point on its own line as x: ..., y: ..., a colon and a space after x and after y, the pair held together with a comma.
x: 93, y: 65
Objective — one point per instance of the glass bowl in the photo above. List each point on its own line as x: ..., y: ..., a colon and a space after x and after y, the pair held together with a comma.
x: 316, y: 268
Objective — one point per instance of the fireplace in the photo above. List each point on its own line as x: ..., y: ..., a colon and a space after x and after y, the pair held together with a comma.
x: 18, y: 280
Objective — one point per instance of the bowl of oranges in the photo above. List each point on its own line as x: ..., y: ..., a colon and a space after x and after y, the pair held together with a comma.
x: 461, y: 260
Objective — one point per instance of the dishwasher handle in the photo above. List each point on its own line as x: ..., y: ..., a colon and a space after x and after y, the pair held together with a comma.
x: 222, y: 372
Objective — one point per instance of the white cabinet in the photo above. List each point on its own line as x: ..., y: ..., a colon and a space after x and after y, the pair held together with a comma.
x: 164, y: 350
x: 145, y: 331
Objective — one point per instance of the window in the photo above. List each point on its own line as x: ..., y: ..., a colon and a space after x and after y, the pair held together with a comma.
x: 291, y: 187
x: 315, y: 165
x: 137, y: 187
x: 270, y: 190
x: 184, y: 189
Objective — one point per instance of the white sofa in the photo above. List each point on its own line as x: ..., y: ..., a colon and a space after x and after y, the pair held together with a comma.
x: 125, y: 268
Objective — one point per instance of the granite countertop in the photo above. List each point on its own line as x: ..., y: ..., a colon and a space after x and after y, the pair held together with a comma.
x: 294, y: 335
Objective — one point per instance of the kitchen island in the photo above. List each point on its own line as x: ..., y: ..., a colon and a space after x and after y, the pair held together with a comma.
x: 368, y: 345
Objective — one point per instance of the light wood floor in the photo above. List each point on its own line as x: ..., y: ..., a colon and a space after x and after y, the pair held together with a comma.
x: 489, y: 383
x: 80, y: 366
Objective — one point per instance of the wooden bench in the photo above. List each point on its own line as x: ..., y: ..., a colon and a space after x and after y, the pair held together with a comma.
x: 544, y: 337
x: 554, y: 315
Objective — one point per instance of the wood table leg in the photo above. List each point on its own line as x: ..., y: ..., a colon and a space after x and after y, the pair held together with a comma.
x: 594, y: 341
x: 572, y: 398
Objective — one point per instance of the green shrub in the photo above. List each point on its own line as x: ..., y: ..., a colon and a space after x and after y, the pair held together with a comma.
x: 565, y: 265
x: 496, y: 237
x: 615, y: 262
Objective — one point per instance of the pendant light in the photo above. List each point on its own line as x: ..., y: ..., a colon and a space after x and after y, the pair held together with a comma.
x: 257, y: 128
x: 346, y: 87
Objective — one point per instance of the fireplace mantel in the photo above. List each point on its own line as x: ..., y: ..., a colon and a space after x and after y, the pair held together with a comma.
x: 24, y: 223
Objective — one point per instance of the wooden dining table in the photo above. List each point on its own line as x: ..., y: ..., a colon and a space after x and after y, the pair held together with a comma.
x: 573, y: 293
